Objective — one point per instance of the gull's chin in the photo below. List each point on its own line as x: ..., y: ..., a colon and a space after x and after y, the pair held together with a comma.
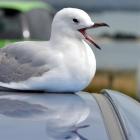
x: 88, y: 37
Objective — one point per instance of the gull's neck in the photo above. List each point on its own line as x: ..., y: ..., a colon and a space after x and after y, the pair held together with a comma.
x: 65, y: 38
x: 66, y: 42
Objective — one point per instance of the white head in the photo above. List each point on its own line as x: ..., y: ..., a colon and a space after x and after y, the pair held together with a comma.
x: 72, y: 22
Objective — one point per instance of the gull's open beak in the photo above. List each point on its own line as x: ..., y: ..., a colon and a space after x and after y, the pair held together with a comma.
x: 89, y: 38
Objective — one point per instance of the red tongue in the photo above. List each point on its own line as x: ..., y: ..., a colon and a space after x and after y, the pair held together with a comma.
x: 90, y: 39
x: 87, y: 37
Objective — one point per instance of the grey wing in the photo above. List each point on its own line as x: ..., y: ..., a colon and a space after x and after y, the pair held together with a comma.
x: 19, y: 62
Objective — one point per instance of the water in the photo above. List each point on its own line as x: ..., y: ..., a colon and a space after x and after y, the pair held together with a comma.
x: 128, y: 22
x: 118, y: 55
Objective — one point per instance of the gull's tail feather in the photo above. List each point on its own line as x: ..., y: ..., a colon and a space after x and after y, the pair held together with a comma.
x: 8, y: 86
x: 5, y: 87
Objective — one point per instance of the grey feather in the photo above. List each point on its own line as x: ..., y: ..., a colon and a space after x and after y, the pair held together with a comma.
x: 20, y: 61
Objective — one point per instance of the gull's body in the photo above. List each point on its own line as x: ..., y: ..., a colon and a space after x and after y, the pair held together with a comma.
x: 65, y: 63
x: 51, y: 69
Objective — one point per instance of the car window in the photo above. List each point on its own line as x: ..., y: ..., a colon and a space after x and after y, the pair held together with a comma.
x: 39, y: 22
x: 10, y: 24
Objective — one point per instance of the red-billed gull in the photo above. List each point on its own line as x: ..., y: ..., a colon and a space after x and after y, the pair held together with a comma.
x: 65, y: 63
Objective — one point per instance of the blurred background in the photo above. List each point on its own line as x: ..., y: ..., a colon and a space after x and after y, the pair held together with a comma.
x: 118, y: 65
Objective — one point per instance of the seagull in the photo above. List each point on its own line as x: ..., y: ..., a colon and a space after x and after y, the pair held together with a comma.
x: 65, y: 63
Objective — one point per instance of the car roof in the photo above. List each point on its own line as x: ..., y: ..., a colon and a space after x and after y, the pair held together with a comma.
x: 48, y: 115
x: 52, y: 112
x: 24, y: 6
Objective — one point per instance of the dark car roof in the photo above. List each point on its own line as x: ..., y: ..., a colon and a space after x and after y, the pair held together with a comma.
x: 63, y: 116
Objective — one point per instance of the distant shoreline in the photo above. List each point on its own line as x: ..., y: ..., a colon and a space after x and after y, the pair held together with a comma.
x: 120, y: 36
x: 109, y: 40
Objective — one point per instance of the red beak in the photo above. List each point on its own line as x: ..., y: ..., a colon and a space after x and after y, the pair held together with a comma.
x: 89, y: 38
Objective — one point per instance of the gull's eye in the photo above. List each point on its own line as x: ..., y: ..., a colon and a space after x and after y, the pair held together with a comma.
x: 75, y: 20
